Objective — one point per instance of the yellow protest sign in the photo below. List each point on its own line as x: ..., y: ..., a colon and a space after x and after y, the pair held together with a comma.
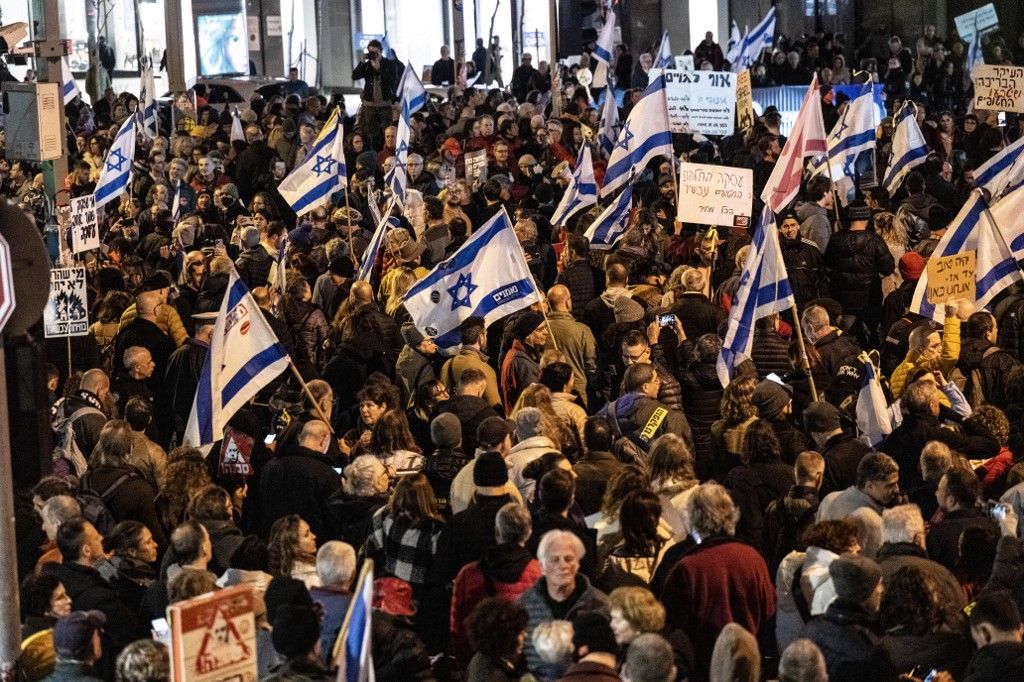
x: 951, y: 278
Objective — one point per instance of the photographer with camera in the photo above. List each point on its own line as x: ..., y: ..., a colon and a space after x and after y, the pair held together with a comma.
x: 380, y: 78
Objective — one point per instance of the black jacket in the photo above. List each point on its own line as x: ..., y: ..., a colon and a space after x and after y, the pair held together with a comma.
x: 842, y: 454
x: 351, y: 516
x: 250, y: 165
x: 702, y: 403
x: 133, y: 499
x: 993, y: 366
x: 997, y: 662
x: 856, y: 263
x: 905, y: 443
x: 593, y: 471
x: 753, y: 487
x: 254, y: 265
x: 632, y: 412
x: 298, y: 482
x: 585, y: 282
x: 848, y: 639
x: 470, y: 410
x: 470, y: 533
x: 944, y: 536
x: 833, y: 350
x: 804, y: 265
x: 770, y: 353
x: 387, y: 75
x: 698, y: 315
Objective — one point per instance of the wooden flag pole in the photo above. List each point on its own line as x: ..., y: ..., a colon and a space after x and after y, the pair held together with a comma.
x: 803, y: 352
x: 309, y: 394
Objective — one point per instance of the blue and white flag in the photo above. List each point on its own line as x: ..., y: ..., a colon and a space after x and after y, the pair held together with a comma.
x: 412, y: 97
x: 975, y: 55
x: 609, y: 131
x: 1008, y: 216
x: 909, y: 149
x: 581, y: 192
x: 487, y: 277
x: 68, y: 87
x: 311, y: 183
x: 603, y: 49
x: 852, y: 134
x: 1004, y: 172
x: 244, y: 357
x: 148, y: 105
x: 611, y: 224
x: 763, y: 289
x: 384, y: 226
x: 664, y: 60
x: 644, y: 136
x: 735, y: 43
x: 995, y: 267
x: 353, y: 650
x: 755, y: 41
x: 116, y: 174
x: 873, y: 420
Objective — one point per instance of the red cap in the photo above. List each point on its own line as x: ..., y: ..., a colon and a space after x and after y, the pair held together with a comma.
x: 912, y: 264
x: 393, y: 596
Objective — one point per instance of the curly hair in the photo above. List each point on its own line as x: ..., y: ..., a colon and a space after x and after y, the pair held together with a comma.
x: 629, y: 477
x: 551, y: 424
x: 994, y: 420
x: 186, y: 474
x: 760, y: 444
x: 189, y: 583
x: 283, y: 546
x: 911, y: 604
x: 639, y: 606
x: 835, y: 536
x: 736, y: 404
x: 144, y: 660
x: 494, y: 627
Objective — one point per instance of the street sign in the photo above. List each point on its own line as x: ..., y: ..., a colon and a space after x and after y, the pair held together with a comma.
x: 6, y: 283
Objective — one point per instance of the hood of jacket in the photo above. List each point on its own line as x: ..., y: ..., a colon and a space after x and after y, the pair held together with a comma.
x: 505, y: 563
x: 609, y: 295
x: 807, y: 209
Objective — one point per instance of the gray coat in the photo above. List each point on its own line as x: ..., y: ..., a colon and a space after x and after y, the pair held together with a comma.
x: 535, y: 601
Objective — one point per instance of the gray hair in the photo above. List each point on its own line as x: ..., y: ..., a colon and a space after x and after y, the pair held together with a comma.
x: 362, y: 474
x: 553, y: 537
x: 936, y: 459
x: 60, y: 508
x: 814, y: 318
x: 711, y: 511
x: 529, y: 423
x: 649, y: 658
x: 902, y: 523
x: 336, y: 564
x: 133, y: 356
x: 802, y: 662
x: 694, y: 280
x: 512, y: 524
x: 552, y: 640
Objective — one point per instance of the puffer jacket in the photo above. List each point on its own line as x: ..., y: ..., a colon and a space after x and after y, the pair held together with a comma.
x: 535, y: 601
x: 847, y: 636
x: 804, y: 265
x: 702, y: 403
x: 856, y: 261
x: 167, y: 319
x: 254, y: 265
x: 309, y: 327
x: 770, y: 353
x: 104, y: 332
x: 993, y: 366
x: 945, y: 363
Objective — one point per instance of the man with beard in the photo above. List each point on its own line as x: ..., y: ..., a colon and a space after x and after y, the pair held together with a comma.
x: 802, y: 258
x: 183, y: 369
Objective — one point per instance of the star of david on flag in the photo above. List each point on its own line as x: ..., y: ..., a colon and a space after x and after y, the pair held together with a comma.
x: 323, y: 172
x: 465, y: 282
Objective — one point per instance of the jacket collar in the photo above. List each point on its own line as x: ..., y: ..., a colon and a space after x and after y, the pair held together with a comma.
x: 894, y: 549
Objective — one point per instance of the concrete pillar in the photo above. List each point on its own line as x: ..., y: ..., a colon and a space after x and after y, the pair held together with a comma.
x: 336, y: 28
x: 270, y: 58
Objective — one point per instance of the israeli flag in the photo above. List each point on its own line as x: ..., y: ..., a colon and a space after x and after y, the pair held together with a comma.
x: 763, y: 289
x: 147, y: 90
x: 664, y: 60
x: 644, y: 136
x: 603, y: 51
x: 413, y: 97
x: 873, y: 419
x: 384, y: 226
x: 68, y: 87
x: 581, y: 192
x: 237, y: 130
x: 1004, y: 172
x: 909, y: 149
x: 762, y: 36
x: 487, y: 277
x: 995, y: 267
x: 975, y: 56
x: 311, y: 183
x: 1008, y: 216
x: 852, y: 134
x: 609, y: 131
x: 244, y: 357
x: 611, y: 224
x: 116, y: 175
x: 353, y: 649
x: 735, y: 43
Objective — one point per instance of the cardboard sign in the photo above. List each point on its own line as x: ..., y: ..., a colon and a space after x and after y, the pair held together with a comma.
x: 213, y: 637
x: 998, y: 88
x: 66, y: 312
x: 235, y: 454
x: 984, y: 18
x: 85, y: 234
x: 700, y: 101
x: 951, y: 278
x: 744, y: 101
x: 476, y: 166
x: 715, y: 195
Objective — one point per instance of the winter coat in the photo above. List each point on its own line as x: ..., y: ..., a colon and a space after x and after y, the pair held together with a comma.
x: 805, y: 268
x: 753, y: 487
x: 131, y: 500
x: 73, y: 671
x: 522, y: 453
x: 470, y: 411
x: 833, y: 349
x: 593, y: 471
x: 847, y: 636
x: 905, y: 443
x: 721, y: 580
x: 944, y: 537
x: 577, y: 342
x: 997, y: 662
x: 585, y: 598
x: 815, y: 224
x: 303, y: 481
x: 167, y: 318
x: 253, y: 266
x: 504, y: 571
x: 298, y: 671
x: 483, y: 668
x: 349, y: 516
x: 785, y: 520
x: 697, y: 314
x: 632, y: 411
x: 842, y: 453
x: 993, y: 366
x: 892, y: 556
x: 912, y: 362
x: 856, y: 261
x: 471, y: 357
x: 939, y: 650
x: 599, y: 314
x: 519, y: 369
x: 770, y: 353
x: 584, y: 281
x: 398, y: 653
x: 309, y: 328
x: 702, y: 403
x: 470, y: 533
x: 412, y: 370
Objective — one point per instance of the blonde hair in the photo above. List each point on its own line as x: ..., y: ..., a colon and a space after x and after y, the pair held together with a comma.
x: 552, y: 640
x: 639, y: 606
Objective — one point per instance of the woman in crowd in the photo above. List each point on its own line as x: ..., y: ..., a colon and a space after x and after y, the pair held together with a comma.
x: 133, y: 553
x: 291, y: 550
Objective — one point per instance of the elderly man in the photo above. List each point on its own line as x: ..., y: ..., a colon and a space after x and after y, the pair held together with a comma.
x: 336, y: 568
x: 694, y: 309
x: 139, y: 366
x: 560, y: 593
x: 521, y: 366
x: 720, y: 580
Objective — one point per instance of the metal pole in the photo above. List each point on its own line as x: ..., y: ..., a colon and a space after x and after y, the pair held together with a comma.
x: 552, y: 37
x: 49, y: 54
x: 10, y: 621
x: 803, y: 353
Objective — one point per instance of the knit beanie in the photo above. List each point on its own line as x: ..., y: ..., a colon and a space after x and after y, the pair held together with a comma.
x: 490, y: 470
x: 628, y: 310
x: 770, y: 398
x: 445, y: 431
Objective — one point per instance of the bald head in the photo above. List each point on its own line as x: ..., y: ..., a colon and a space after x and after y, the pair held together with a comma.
x: 96, y: 382
x: 262, y: 296
x: 362, y: 292
x: 559, y: 298
x: 315, y: 435
x: 616, y: 275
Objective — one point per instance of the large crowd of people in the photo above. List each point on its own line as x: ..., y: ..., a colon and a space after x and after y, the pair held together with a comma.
x: 573, y: 495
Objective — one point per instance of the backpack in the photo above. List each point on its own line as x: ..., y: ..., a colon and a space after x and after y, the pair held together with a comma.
x: 975, y: 382
x: 65, y: 449
x: 917, y: 229
x: 632, y: 449
x: 95, y: 512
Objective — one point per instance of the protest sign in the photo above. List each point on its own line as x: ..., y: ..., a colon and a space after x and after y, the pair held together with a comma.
x: 700, y: 101
x: 744, y: 101
x: 213, y: 637
x: 998, y: 87
x: 66, y: 313
x: 715, y: 195
x: 85, y: 234
x: 235, y: 454
x: 476, y: 166
x: 951, y: 278
x: 984, y: 18
x: 684, y: 62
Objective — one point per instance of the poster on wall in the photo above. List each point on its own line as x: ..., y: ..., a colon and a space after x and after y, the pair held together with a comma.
x: 223, y: 41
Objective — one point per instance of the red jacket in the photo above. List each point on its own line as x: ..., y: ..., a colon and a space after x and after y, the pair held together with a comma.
x: 471, y: 587
x: 720, y: 581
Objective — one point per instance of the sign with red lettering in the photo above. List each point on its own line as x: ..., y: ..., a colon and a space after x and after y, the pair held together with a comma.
x: 213, y: 637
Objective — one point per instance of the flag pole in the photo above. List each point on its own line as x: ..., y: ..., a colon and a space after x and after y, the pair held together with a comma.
x: 828, y: 164
x: 339, y: 641
x: 348, y: 218
x: 309, y: 394
x: 803, y: 352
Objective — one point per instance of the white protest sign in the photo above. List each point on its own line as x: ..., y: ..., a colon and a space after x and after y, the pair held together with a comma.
x: 984, y: 17
x: 715, y: 195
x: 213, y: 637
x: 684, y: 62
x: 999, y: 88
x: 700, y: 101
x: 66, y: 313
x: 85, y: 234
